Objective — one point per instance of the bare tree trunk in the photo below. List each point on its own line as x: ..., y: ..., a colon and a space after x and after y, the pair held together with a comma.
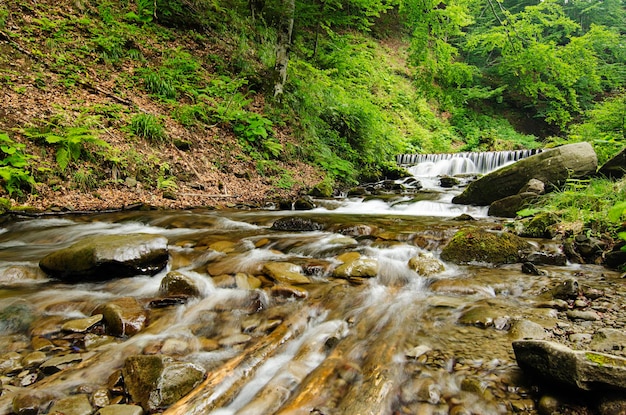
x: 284, y: 42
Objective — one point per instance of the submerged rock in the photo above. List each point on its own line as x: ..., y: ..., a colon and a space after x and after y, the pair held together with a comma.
x: 285, y: 272
x: 158, y: 381
x: 176, y: 284
x: 108, y: 256
x: 123, y: 316
x: 586, y: 370
x: 477, y: 245
x: 425, y: 264
x: 296, y: 223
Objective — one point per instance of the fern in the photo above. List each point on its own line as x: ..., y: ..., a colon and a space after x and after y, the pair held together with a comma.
x: 71, y: 142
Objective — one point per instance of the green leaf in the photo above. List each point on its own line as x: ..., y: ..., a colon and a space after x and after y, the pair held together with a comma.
x: 63, y: 158
x: 617, y: 212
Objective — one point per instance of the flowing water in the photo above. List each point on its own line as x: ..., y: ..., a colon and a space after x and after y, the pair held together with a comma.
x: 396, y: 343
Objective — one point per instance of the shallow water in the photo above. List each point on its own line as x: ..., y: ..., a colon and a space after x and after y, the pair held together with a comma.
x: 394, y: 343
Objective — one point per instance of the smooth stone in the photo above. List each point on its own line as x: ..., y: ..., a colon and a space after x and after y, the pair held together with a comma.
x: 175, y: 283
x: 348, y: 257
x: 93, y: 341
x: 417, y: 351
x: 225, y: 247
x: 19, y: 275
x: 41, y: 344
x: 106, y: 257
x: 81, y: 325
x: 526, y: 329
x: 157, y: 381
x: 123, y: 316
x: 175, y: 347
x: 285, y: 272
x: 425, y: 264
x: 72, y: 405
x: 288, y: 291
x: 359, y: 268
x: 34, y: 359
x: 247, y: 282
x: 59, y: 363
x: 582, y: 315
x: 101, y: 398
x: 16, y: 318
x: 32, y: 402
x: 583, y: 369
x: 10, y: 362
x: 121, y: 410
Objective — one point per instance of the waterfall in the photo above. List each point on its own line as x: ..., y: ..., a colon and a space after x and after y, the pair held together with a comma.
x: 460, y: 163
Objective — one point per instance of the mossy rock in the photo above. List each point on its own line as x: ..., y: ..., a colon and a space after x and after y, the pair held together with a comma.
x: 478, y: 245
x: 538, y: 225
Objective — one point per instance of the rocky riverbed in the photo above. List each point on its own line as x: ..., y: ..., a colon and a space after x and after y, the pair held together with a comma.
x: 284, y: 312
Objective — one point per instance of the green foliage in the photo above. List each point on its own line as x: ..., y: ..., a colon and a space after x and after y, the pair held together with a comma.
x: 605, y: 126
x: 14, y: 166
x: 85, y: 179
x: 72, y: 143
x: 149, y: 127
x: 177, y: 76
x: 592, y: 202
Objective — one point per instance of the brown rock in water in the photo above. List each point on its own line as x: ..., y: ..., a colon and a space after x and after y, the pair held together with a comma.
x: 285, y: 272
x: 176, y: 284
x: 123, y: 316
x: 157, y: 381
x: 108, y: 256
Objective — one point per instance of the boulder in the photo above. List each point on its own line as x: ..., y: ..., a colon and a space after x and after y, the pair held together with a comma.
x: 553, y: 167
x: 105, y: 257
x: 478, y: 245
x: 296, y: 223
x: 157, y: 382
x: 507, y: 207
x: 615, y: 167
x: 556, y: 363
x: 123, y: 316
x: 425, y: 264
x: 178, y: 284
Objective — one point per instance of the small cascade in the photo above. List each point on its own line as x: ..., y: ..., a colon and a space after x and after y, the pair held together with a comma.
x: 461, y: 163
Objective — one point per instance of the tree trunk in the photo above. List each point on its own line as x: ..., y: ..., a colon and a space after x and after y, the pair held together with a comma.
x: 284, y: 42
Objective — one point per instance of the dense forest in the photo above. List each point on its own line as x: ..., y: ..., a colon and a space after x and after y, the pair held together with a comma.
x: 175, y: 97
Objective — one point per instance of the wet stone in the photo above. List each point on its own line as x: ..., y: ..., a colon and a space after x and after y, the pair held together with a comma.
x: 359, y: 268
x: 158, y: 381
x: 123, y: 316
x: 41, y: 343
x: 285, y: 272
x: 121, y: 410
x: 59, y: 363
x: 288, y: 291
x: 426, y: 264
x: 81, y: 325
x: 101, y: 398
x: 32, y: 402
x: 582, y: 315
x: 10, y: 362
x: 176, y: 284
x: 34, y: 359
x: 16, y: 318
x: 526, y: 329
x: 72, y: 405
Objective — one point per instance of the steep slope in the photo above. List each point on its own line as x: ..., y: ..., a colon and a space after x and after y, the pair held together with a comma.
x: 117, y: 111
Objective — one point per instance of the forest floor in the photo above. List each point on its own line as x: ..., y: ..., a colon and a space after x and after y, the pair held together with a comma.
x: 212, y: 169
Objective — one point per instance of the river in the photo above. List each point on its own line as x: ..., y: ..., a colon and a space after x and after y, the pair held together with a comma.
x: 397, y: 342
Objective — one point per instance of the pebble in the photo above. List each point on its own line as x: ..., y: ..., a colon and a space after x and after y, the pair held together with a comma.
x: 582, y: 315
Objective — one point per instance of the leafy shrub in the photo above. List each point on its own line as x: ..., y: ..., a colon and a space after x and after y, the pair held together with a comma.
x: 14, y: 165
x: 71, y: 142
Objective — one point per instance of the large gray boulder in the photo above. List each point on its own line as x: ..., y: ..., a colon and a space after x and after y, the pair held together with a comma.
x: 553, y: 167
x: 556, y: 363
x: 106, y: 257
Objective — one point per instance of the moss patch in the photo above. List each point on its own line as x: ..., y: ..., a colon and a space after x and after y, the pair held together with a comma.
x: 478, y: 245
